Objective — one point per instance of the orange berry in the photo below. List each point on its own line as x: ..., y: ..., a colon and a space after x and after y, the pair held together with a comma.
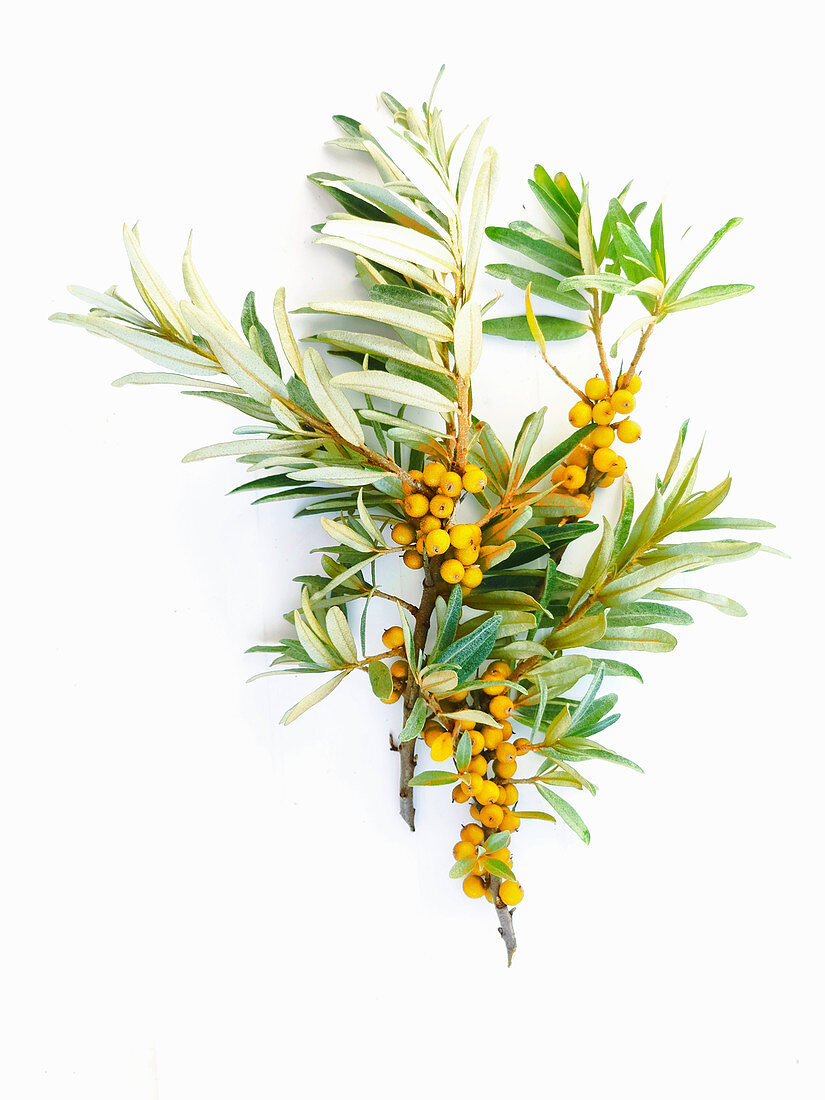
x: 461, y: 793
x: 452, y: 571
x: 464, y: 850
x: 473, y: 833
x: 403, y: 534
x: 476, y: 742
x: 450, y: 485
x: 441, y: 506
x: 603, y: 412
x: 474, y: 480
x: 472, y: 577
x: 442, y: 747
x: 510, y: 892
x: 623, y: 401
x: 603, y: 459
x: 558, y: 475
x: 522, y: 745
x: 473, y: 886
x: 393, y: 697
x: 412, y: 559
x: 474, y: 781
x: 492, y: 737
x: 602, y: 436
x: 574, y: 478
x: 510, y: 821
x: 416, y: 505
x: 501, y: 707
x: 468, y: 556
x: 491, y: 816
x: 475, y: 812
x: 488, y: 793
x: 628, y: 431
x: 596, y: 388
x: 427, y: 524
x: 506, y: 751
x: 511, y: 792
x: 408, y: 489
x: 461, y: 535
x: 580, y: 415
x: 634, y: 384
x: 579, y: 456
x: 505, y: 769
x: 506, y: 731
x: 437, y: 542
x: 477, y: 766
x: 399, y: 670
x: 433, y: 473
x: 393, y: 637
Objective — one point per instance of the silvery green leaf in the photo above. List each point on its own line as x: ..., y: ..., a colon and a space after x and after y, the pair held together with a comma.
x: 314, y: 647
x: 198, y: 294
x: 587, y: 250
x: 678, y: 284
x: 583, y: 632
x: 406, y: 268
x: 597, y: 567
x: 397, y: 241
x: 157, y: 349
x: 153, y: 289
x: 722, y: 603
x: 391, y: 203
x: 468, y: 163
x: 648, y: 639
x: 394, y: 388
x: 285, y: 447
x: 367, y: 520
x: 467, y: 336
x: 424, y: 324
x: 482, y: 197
x: 610, y: 283
x: 314, y: 697
x: 286, y: 337
x: 109, y: 305
x: 366, y: 343
x: 340, y: 635
x: 635, y: 583
x: 566, y: 812
x: 332, y: 403
x: 634, y: 326
x: 343, y: 534
x: 380, y: 679
x: 337, y: 475
x: 156, y: 379
x: 709, y: 296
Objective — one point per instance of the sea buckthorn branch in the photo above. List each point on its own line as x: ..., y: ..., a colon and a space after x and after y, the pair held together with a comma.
x: 500, y: 663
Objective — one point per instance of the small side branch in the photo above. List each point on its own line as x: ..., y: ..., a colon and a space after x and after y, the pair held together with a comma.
x: 406, y: 755
x: 505, y: 921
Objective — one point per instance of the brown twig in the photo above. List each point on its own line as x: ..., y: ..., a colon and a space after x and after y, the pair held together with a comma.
x: 505, y: 920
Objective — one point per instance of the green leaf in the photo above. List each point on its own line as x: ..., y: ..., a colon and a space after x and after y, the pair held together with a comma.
x: 415, y: 723
x: 499, y: 869
x: 496, y: 841
x: 647, y: 639
x: 616, y: 668
x: 462, y: 867
x: 392, y: 388
x: 314, y: 697
x: 541, y: 286
x: 535, y: 815
x: 678, y: 284
x: 625, y: 517
x: 583, y: 632
x: 722, y: 603
x: 446, y: 633
x: 380, y: 679
x: 726, y: 522
x: 554, y: 457
x: 517, y: 328
x: 632, y: 585
x: 648, y: 613
x: 657, y: 244
x: 433, y: 779
x: 585, y: 706
x: 635, y: 259
x: 468, y: 652
x: 566, y: 812
x: 709, y: 295
x: 597, y: 567
x: 249, y: 319
x: 463, y: 752
x: 539, y: 248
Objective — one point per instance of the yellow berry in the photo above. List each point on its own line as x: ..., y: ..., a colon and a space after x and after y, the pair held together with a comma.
x: 491, y: 816
x: 500, y: 669
x: 473, y: 886
x: 618, y: 468
x: 505, y: 769
x: 510, y: 821
x: 606, y: 481
x: 579, y: 456
x: 558, y: 475
x: 472, y: 577
x: 442, y: 747
x: 477, y: 766
x: 407, y: 487
x: 501, y: 707
x: 623, y: 401
x: 419, y: 544
x: 596, y: 388
x: 492, y: 689
x: 464, y: 850
x: 427, y: 524
x: 450, y: 485
x: 452, y: 571
x: 506, y: 751
x: 510, y: 892
x: 461, y: 793
x: 634, y: 384
x: 393, y: 637
x: 403, y: 534
x: 433, y: 473
x: 506, y: 730
x: 628, y: 431
x: 474, y: 480
x: 602, y: 436
x: 476, y: 742
x: 488, y: 793
x: 473, y: 833
x: 603, y: 412
x: 393, y: 697
x: 581, y: 414
x: 468, y: 556
x: 461, y: 535
x: 437, y: 542
x: 412, y: 559
x: 522, y: 745
x: 492, y: 737
x: 603, y: 459
x: 441, y: 506
x: 474, y: 781
x: 502, y: 854
x: 511, y: 792
x: 458, y: 696
x: 416, y: 505
x: 574, y: 478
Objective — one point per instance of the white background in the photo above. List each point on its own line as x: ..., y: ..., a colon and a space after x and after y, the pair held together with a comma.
x: 199, y: 903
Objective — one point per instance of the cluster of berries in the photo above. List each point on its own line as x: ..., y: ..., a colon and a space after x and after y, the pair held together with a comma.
x: 431, y: 503
x: 595, y: 453
x: 494, y: 796
x: 471, y: 846
x: 393, y: 638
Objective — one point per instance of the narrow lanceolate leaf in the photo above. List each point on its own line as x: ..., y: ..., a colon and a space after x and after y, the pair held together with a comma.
x: 340, y: 635
x: 467, y: 338
x: 157, y: 349
x: 709, y: 296
x: 337, y: 475
x: 152, y: 289
x: 678, y: 284
x: 433, y: 779
x: 331, y: 402
x: 156, y: 378
x: 340, y: 532
x: 314, y: 697
x: 482, y: 197
x: 286, y: 336
x: 587, y: 250
x: 635, y: 583
x: 585, y: 631
x: 722, y: 603
x: 380, y: 679
x: 196, y: 289
x: 469, y: 652
x: 395, y: 388
x: 242, y: 365
x: 532, y: 323
x: 409, y: 270
x: 397, y: 241
x: 597, y: 567
x: 452, y: 616
x: 415, y: 723
x: 252, y: 446
x: 566, y: 812
x: 518, y: 328
x: 107, y: 305
x: 367, y: 343
x: 368, y: 521
x: 646, y: 639
x: 397, y: 317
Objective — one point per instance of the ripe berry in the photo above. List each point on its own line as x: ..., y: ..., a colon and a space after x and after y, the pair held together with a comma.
x: 412, y: 559
x: 623, y: 401
x: 581, y: 414
x: 473, y: 833
x: 403, y: 534
x: 474, y: 781
x: 477, y: 766
x: 472, y: 577
x: 442, y: 747
x: 461, y: 793
x: 501, y: 707
x: 603, y: 412
x: 452, y: 571
x: 579, y: 456
x: 437, y: 542
x: 558, y: 475
x: 393, y: 637
x: 505, y: 769
x: 618, y: 468
x: 510, y: 892
x: 602, y: 436
x: 510, y: 821
x: 407, y: 487
x: 506, y: 751
x: 450, y: 485
x: 475, y: 812
x: 427, y: 524
x: 511, y: 792
x: 468, y: 556
x: 474, y: 480
x: 393, y: 697
x: 488, y: 793
x: 464, y: 850
x: 441, y: 506
x: 476, y: 742
x: 433, y: 473
x: 634, y: 384
x: 522, y: 745
x: 473, y: 886
x: 603, y: 459
x: 491, y: 816
x: 416, y: 505
x: 574, y: 478
x: 502, y: 854
x: 628, y: 431
x: 596, y: 388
